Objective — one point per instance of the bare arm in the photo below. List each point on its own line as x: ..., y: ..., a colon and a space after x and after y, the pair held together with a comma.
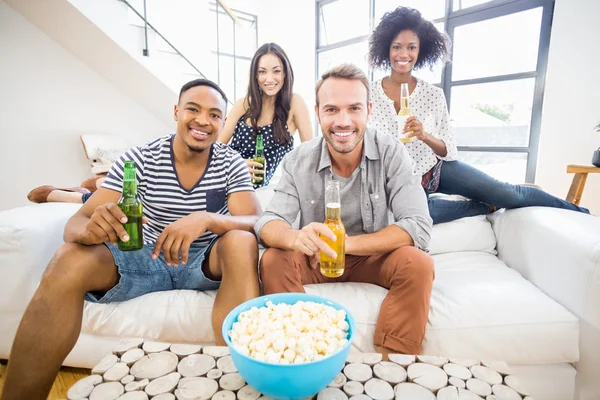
x: 301, y: 118
x: 437, y: 145
x: 244, y: 208
x: 385, y: 241
x: 414, y: 128
x: 278, y: 234
x: 176, y: 239
x: 237, y: 111
x: 441, y: 140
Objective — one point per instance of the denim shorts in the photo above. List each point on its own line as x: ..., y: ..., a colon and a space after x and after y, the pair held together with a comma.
x: 140, y: 274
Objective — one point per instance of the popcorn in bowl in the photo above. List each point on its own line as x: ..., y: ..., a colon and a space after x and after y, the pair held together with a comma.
x: 290, y: 333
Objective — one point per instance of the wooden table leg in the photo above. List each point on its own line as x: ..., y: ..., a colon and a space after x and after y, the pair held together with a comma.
x: 576, y: 189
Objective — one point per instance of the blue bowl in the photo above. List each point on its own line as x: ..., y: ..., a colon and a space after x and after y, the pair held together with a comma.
x: 288, y: 381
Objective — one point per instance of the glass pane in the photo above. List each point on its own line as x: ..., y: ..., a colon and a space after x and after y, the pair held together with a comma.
x: 430, y: 9
x: 460, y: 4
x: 355, y: 53
x: 245, y: 38
x: 242, y: 72
x: 225, y: 34
x: 492, y: 114
x: 506, y: 167
x: 503, y: 45
x: 343, y: 19
x: 226, y: 76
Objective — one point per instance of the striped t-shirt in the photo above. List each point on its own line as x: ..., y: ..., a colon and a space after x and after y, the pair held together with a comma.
x: 165, y: 200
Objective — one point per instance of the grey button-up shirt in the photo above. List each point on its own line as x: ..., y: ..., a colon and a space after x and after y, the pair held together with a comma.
x: 388, y: 185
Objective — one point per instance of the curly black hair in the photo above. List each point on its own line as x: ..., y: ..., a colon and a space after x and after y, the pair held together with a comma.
x: 435, y: 45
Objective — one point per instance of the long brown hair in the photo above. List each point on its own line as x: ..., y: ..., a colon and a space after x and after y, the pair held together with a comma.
x: 283, y: 100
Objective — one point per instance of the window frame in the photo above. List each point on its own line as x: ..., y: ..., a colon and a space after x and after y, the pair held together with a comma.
x: 217, y: 9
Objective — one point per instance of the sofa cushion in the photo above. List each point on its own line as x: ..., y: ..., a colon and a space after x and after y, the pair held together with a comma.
x: 479, y: 308
x: 465, y: 234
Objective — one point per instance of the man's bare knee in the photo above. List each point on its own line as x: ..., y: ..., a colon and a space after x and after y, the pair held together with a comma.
x: 240, y: 240
x: 238, y: 251
x: 81, y: 268
x: 238, y: 244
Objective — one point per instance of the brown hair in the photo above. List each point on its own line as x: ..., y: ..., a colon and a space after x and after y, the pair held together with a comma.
x: 344, y: 71
x: 283, y: 100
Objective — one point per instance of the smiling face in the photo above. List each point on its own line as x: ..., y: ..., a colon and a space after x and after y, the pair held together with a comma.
x: 343, y: 111
x: 270, y: 75
x: 404, y: 51
x: 200, y: 116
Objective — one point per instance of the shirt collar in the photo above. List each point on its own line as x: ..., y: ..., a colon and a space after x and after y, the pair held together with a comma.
x: 370, y: 150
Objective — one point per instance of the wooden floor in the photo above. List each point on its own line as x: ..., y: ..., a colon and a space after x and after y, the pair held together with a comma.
x: 66, y: 378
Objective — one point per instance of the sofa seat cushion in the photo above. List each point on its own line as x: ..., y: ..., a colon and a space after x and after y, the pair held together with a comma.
x: 479, y: 308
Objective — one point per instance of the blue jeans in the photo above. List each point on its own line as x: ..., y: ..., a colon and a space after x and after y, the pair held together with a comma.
x: 139, y: 274
x: 459, y: 178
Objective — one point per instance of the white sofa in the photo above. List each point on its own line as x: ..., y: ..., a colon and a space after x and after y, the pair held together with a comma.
x: 522, y: 286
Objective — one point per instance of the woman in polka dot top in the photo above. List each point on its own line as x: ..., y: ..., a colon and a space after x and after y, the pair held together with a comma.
x: 269, y: 108
x: 404, y: 41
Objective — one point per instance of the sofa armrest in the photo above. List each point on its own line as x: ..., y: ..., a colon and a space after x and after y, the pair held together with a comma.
x: 29, y: 236
x: 559, y: 252
x: 556, y: 250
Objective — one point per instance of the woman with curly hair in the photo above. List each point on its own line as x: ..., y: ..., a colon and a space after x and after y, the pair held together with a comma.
x: 402, y: 42
x: 270, y: 108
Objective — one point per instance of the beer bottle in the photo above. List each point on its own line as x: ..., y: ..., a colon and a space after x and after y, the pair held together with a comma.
x: 131, y: 206
x: 259, y: 157
x: 334, y: 267
x: 403, y: 114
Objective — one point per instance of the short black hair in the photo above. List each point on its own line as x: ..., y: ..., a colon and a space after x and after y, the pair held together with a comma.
x: 434, y: 45
x: 202, y: 82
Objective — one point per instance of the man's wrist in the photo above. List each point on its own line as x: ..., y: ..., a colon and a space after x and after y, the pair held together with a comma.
x: 349, y: 244
x: 205, y: 218
x: 290, y: 235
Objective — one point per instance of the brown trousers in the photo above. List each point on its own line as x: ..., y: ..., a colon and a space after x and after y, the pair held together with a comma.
x: 407, y: 273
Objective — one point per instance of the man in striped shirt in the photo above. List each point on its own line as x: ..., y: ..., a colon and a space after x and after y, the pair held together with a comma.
x: 199, y: 211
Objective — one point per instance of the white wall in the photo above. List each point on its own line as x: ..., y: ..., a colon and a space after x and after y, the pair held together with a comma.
x: 571, y: 100
x: 47, y: 99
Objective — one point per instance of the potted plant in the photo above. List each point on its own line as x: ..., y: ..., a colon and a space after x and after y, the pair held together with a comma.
x: 596, y: 157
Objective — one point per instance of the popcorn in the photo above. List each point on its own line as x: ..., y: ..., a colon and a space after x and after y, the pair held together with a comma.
x: 290, y: 334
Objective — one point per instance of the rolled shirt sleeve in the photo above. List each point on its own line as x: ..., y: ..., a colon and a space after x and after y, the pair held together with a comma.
x: 407, y: 199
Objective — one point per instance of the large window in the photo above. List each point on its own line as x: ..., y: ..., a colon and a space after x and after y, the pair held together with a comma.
x: 494, y: 83
x: 233, y: 47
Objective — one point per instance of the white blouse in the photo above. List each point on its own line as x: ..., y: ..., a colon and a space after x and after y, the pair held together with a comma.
x: 428, y: 103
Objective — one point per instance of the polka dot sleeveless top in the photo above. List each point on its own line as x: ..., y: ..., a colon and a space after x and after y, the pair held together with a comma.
x: 244, y: 142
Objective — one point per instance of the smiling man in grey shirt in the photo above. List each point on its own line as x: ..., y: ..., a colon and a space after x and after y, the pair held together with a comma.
x: 376, y: 179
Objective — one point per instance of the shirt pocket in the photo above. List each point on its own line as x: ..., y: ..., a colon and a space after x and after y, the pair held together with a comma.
x: 215, y: 199
x: 379, y: 211
x: 312, y: 209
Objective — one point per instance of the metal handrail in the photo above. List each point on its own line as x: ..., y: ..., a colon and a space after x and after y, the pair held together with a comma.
x: 146, y: 24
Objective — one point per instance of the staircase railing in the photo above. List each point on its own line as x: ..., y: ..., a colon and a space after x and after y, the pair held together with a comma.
x: 146, y: 50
